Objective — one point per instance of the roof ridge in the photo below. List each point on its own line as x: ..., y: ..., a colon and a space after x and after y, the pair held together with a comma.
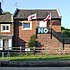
x: 37, y: 9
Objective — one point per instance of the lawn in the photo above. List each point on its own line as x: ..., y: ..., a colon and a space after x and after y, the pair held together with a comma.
x: 23, y: 57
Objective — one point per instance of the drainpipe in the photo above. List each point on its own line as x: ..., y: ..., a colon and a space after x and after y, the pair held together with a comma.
x: 0, y: 9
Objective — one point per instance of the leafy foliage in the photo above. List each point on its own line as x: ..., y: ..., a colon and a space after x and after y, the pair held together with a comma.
x: 32, y: 42
x: 4, y: 13
x: 65, y: 32
x: 62, y: 28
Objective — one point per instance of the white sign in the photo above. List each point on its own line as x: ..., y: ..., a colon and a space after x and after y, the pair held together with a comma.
x: 27, y: 49
x: 42, y: 30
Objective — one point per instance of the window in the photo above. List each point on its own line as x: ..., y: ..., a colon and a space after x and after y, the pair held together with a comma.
x: 26, y: 26
x: 5, y: 27
x: 42, y: 24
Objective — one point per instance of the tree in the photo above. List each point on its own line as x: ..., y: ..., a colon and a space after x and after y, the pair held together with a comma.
x: 62, y: 28
x: 32, y: 41
x: 4, y: 13
x: 66, y: 33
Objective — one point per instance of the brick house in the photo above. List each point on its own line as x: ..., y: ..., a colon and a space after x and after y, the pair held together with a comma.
x: 16, y: 30
x: 6, y: 31
x: 24, y: 28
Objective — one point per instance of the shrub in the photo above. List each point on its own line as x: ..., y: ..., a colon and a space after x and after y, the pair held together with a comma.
x: 32, y: 41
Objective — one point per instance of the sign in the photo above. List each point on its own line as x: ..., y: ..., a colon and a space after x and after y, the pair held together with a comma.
x: 42, y: 30
x: 27, y: 49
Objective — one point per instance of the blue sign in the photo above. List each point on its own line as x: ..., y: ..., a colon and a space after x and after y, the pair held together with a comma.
x: 42, y: 30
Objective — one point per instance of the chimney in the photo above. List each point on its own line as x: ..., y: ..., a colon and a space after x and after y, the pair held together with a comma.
x: 0, y: 9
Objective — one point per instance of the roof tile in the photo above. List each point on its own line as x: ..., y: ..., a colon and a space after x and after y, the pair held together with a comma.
x: 40, y: 13
x: 6, y: 18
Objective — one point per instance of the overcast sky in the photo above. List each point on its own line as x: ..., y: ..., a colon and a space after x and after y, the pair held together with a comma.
x: 63, y: 5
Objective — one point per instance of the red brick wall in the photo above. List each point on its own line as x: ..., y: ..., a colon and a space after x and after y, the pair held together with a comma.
x: 52, y: 46
x: 23, y: 36
x: 57, y: 28
x: 56, y: 25
x: 66, y: 49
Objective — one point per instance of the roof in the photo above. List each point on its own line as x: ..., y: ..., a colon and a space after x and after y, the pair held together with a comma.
x: 23, y: 14
x: 6, y: 18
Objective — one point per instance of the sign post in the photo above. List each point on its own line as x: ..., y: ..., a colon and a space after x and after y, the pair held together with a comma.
x: 3, y: 55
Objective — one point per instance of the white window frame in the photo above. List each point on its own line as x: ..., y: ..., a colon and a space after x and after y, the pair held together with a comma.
x: 42, y: 24
x: 27, y: 28
x: 5, y: 25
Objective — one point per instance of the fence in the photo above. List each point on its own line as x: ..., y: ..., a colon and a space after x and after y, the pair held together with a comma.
x: 19, y: 50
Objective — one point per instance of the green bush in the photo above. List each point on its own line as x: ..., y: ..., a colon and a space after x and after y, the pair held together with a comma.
x: 4, y: 13
x: 65, y: 33
x: 32, y: 41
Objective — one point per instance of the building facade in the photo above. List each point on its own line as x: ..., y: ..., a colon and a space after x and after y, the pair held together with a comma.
x: 16, y: 30
x: 24, y: 29
x: 6, y: 31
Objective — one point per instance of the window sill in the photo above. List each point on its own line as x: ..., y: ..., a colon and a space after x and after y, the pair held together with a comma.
x: 5, y: 31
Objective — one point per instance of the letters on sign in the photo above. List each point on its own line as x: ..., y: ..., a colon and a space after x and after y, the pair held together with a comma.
x: 42, y: 30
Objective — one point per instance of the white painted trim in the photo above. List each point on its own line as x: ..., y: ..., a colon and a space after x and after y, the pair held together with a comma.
x: 11, y: 18
x: 59, y: 13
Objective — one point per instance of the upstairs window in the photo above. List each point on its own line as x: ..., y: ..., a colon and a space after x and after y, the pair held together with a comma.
x: 42, y: 24
x: 26, y: 26
x: 5, y: 27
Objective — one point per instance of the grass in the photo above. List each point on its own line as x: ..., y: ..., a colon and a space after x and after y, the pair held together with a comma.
x: 23, y: 57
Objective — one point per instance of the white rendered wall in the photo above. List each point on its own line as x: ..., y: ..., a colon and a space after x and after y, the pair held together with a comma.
x: 10, y: 44
x: 1, y: 44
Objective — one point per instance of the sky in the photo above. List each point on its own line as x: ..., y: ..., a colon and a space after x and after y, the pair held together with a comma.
x: 63, y: 5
